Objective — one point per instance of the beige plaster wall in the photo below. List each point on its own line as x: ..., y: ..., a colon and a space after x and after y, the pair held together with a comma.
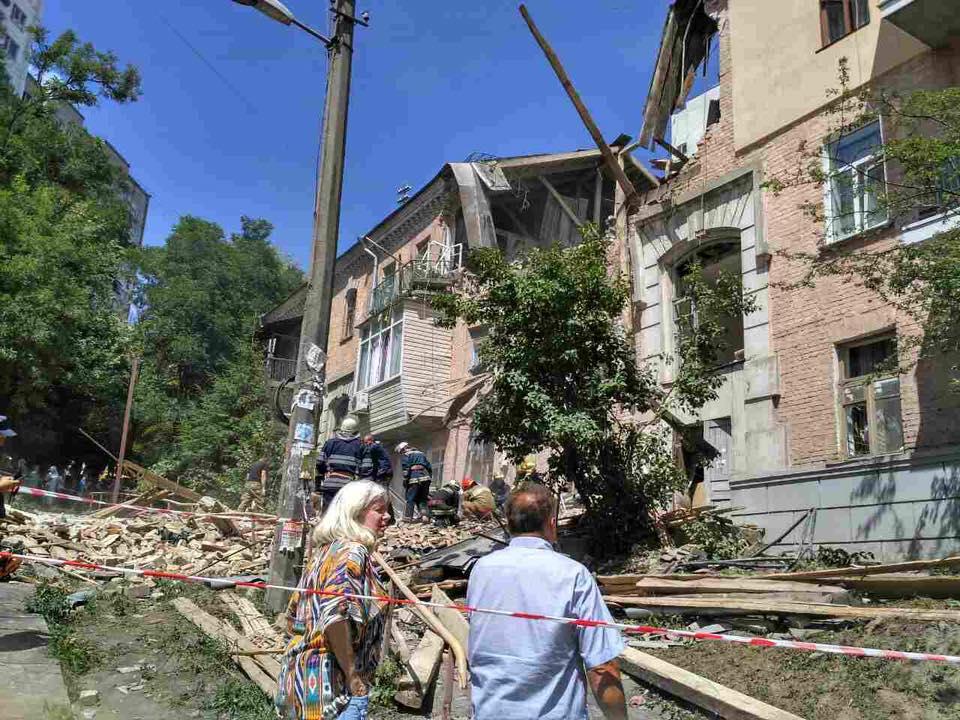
x: 780, y: 69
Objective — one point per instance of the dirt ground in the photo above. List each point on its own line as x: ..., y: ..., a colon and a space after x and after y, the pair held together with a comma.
x: 817, y: 686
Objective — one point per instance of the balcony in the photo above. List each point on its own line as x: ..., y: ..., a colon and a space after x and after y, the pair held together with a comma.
x: 933, y: 22
x: 278, y: 369
x: 428, y: 273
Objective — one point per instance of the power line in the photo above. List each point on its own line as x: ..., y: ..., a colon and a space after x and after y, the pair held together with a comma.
x: 210, y: 65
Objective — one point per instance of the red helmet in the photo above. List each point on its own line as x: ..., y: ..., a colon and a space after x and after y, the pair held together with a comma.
x: 466, y: 483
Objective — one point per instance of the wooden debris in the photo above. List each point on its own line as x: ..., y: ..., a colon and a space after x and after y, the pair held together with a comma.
x: 707, y: 694
x: 863, y: 571
x: 451, y: 619
x: 263, y: 669
x: 902, y: 586
x: 717, y: 605
x: 662, y: 586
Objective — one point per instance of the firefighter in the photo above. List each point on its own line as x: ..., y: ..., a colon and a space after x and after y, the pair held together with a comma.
x: 478, y: 501
x: 339, y: 460
x: 417, y: 474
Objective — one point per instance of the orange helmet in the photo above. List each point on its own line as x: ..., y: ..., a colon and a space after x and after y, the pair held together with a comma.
x: 466, y: 483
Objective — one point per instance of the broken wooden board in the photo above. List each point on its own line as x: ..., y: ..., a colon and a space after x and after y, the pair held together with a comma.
x: 255, y: 626
x: 716, y: 605
x: 160, y: 482
x: 863, y: 571
x: 659, y: 586
x: 262, y: 669
x: 422, y: 669
x: 702, y: 692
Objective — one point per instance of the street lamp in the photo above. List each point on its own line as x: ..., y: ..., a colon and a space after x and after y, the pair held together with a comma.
x: 276, y: 10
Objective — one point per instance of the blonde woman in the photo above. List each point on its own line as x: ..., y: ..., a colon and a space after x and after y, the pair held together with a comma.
x: 335, y: 641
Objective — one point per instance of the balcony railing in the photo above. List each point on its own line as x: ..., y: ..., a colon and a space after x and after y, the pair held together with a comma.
x: 428, y: 273
x: 279, y: 369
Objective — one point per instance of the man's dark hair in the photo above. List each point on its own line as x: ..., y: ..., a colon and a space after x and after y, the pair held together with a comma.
x: 529, y: 507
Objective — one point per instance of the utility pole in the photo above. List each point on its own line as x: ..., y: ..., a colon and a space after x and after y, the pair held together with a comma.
x: 314, y: 328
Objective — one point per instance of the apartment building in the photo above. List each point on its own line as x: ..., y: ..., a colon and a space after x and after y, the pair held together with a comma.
x: 804, y: 420
x: 388, y: 363
x: 16, y: 18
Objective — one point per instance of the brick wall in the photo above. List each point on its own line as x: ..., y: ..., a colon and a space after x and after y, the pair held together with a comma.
x: 806, y: 324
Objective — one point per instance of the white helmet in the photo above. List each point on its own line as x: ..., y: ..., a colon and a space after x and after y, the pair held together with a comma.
x: 399, y: 449
x: 349, y: 426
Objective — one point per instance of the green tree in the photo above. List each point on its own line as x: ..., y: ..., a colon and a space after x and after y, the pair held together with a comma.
x: 63, y: 248
x: 921, y: 153
x: 563, y: 376
x: 200, y: 401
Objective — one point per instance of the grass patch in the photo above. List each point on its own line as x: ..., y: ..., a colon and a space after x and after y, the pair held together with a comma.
x: 74, y: 653
x: 242, y: 701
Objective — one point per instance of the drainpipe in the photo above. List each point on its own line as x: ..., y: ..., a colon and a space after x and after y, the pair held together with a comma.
x: 376, y: 260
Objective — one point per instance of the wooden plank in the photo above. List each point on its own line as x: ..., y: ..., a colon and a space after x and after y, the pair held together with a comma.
x: 561, y: 201
x: 451, y: 619
x: 661, y: 586
x: 723, y: 606
x: 252, y: 666
x: 863, y: 571
x: 904, y: 586
x: 161, y: 482
x: 702, y: 692
x: 422, y: 666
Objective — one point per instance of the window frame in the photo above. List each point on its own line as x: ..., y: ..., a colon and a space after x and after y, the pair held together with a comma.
x: 366, y: 342
x: 18, y: 16
x: 724, y: 237
x: 857, y: 173
x: 850, y: 19
x: 349, y: 314
x: 867, y: 385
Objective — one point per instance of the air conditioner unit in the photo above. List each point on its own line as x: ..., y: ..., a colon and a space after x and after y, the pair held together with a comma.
x: 360, y: 402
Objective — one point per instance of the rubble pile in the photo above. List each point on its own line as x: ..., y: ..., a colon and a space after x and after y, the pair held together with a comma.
x: 422, y: 538
x: 182, y: 543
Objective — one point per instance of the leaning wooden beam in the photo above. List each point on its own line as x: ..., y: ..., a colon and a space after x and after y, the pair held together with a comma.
x: 702, y: 692
x: 726, y: 606
x: 253, y: 666
x: 422, y: 666
x: 161, y: 482
x: 144, y: 498
x: 860, y: 572
x: 459, y: 652
x: 561, y: 201
x: 451, y: 619
x: 608, y: 157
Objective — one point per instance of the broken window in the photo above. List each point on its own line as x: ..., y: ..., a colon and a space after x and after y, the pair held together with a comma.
x: 714, y: 259
x: 839, y: 18
x: 856, y: 183
x: 870, y: 398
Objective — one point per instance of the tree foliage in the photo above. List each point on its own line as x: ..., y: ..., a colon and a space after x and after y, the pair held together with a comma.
x: 200, y: 404
x: 64, y: 246
x: 922, y: 156
x: 564, y: 376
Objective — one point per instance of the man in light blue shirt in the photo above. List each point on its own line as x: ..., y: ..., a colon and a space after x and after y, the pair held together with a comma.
x: 524, y: 669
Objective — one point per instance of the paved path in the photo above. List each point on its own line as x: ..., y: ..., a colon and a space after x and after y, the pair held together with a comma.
x: 31, y: 684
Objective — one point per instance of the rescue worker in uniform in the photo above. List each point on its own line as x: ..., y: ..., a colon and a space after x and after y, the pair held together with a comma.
x: 478, y: 501
x: 339, y: 460
x: 376, y: 466
x: 417, y: 474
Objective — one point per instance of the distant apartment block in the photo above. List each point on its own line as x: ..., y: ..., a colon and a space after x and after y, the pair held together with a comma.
x: 136, y: 198
x: 16, y: 17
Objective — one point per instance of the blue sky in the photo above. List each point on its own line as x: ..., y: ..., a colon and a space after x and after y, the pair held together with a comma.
x: 236, y: 131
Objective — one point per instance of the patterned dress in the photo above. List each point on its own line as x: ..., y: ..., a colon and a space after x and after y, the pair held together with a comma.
x: 311, y: 685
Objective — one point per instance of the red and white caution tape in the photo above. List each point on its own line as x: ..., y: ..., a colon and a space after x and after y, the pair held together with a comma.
x: 254, y: 517
x: 576, y: 622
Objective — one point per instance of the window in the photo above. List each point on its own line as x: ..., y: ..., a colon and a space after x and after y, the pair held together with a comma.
x: 381, y: 343
x: 18, y: 16
x: 839, y: 18
x: 12, y: 48
x: 476, y: 338
x: 479, y: 459
x: 349, y: 313
x: 715, y: 258
x: 436, y: 461
x: 855, y: 167
x: 945, y: 191
x: 870, y: 398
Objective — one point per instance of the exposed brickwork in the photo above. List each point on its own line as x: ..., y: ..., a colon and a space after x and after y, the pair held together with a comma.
x: 806, y: 324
